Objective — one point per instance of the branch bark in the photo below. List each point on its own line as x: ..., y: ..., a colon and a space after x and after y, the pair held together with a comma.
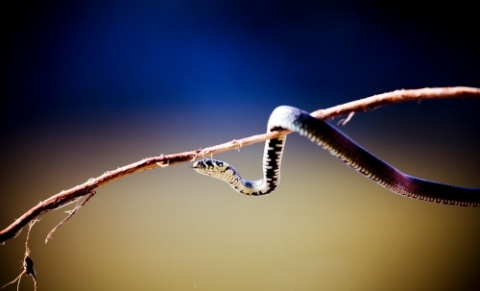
x: 369, y: 103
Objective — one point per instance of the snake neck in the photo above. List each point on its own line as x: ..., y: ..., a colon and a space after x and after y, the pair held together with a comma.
x: 272, y: 158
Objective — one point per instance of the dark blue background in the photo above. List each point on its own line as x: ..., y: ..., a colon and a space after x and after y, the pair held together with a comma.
x: 66, y: 60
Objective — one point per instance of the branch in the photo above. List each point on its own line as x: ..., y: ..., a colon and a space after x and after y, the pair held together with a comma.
x: 71, y: 195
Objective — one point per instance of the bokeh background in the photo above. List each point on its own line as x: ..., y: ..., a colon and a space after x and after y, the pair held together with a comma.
x: 90, y: 86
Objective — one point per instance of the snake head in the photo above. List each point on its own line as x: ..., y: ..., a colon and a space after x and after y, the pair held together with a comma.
x: 210, y: 167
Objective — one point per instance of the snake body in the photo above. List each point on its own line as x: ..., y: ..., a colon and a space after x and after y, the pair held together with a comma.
x: 344, y: 148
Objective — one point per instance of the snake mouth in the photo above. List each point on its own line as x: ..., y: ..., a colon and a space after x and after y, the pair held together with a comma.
x: 205, y: 171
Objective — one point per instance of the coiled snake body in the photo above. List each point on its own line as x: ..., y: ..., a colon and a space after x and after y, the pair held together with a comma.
x: 341, y: 146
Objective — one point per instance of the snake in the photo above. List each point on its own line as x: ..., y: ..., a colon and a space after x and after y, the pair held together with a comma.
x: 341, y: 146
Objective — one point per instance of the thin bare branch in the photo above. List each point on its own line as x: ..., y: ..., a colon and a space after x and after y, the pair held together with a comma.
x: 396, y: 96
x: 70, y: 195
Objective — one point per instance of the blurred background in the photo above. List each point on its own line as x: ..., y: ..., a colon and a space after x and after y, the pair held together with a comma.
x: 90, y: 86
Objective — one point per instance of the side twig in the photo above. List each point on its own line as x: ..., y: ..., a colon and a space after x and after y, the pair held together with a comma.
x: 86, y: 189
x: 27, y: 265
